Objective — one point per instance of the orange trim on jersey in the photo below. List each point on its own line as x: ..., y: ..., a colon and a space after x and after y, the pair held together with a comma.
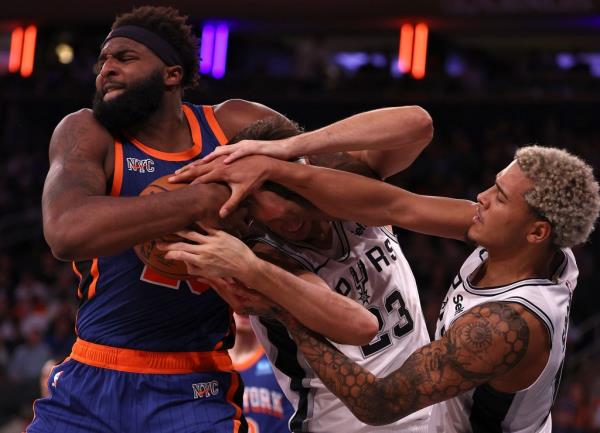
x: 209, y: 113
x: 235, y: 384
x: 95, y: 275
x: 245, y: 365
x: 74, y: 266
x: 176, y: 156
x: 117, y: 182
x: 140, y: 361
x: 151, y: 276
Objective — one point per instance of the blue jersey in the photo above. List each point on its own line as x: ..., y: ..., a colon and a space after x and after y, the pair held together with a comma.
x: 126, y: 304
x: 266, y: 408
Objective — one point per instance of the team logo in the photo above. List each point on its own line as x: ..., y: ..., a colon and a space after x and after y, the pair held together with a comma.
x: 140, y: 165
x: 458, y: 307
x: 360, y: 281
x: 205, y: 389
x: 55, y: 379
x: 263, y: 367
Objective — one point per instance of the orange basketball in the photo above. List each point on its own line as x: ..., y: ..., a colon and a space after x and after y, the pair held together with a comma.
x: 148, y: 252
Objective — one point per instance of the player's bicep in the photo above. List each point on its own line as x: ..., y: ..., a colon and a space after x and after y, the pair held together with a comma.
x: 487, y: 341
x: 78, y: 150
x: 77, y: 154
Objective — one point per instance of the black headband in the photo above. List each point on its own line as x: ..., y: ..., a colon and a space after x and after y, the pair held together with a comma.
x: 158, y: 45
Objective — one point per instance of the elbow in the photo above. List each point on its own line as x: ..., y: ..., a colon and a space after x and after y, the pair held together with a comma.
x: 60, y: 241
x: 424, y: 124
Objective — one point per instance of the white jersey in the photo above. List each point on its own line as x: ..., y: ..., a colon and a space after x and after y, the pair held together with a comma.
x: 484, y: 409
x: 365, y: 264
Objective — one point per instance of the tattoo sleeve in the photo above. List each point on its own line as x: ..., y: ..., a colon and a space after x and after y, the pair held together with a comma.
x: 485, y: 342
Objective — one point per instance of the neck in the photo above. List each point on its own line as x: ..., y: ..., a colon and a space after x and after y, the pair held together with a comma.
x: 505, y: 267
x: 167, y: 129
x: 245, y: 346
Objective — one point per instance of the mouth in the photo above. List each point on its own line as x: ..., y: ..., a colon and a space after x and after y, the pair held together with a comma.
x: 112, y: 90
x: 477, y: 218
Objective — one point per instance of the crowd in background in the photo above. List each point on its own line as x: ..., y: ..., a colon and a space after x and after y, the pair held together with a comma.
x: 472, y: 142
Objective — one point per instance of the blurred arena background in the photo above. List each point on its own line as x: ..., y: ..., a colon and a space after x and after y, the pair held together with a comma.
x: 494, y: 74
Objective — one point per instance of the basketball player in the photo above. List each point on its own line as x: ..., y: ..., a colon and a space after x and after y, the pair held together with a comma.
x: 364, y: 264
x: 151, y: 351
x: 500, y: 340
x: 265, y: 407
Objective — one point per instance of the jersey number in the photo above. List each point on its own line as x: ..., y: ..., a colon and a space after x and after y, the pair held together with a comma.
x: 405, y: 324
x: 152, y: 277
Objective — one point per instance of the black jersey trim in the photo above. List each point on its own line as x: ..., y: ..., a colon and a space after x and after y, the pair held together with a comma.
x: 489, y: 409
x: 535, y: 310
x: 494, y: 291
x: 530, y: 281
x: 341, y: 232
x: 296, y: 257
x: 286, y: 361
x: 389, y: 234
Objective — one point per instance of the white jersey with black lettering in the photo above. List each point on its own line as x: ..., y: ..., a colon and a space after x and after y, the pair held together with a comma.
x: 365, y: 264
x: 484, y: 409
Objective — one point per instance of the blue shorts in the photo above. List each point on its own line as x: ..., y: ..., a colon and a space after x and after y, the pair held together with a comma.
x: 86, y: 398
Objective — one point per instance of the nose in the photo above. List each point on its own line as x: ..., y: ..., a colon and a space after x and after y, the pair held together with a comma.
x: 482, y: 198
x: 108, y: 68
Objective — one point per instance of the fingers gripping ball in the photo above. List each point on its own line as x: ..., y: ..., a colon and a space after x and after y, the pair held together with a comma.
x: 148, y: 251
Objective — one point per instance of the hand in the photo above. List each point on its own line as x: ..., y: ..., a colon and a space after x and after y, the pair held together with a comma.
x: 243, y: 177
x: 214, y: 255
x: 244, y: 300
x: 280, y: 149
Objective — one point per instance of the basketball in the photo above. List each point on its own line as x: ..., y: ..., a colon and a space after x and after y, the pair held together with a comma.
x: 148, y: 252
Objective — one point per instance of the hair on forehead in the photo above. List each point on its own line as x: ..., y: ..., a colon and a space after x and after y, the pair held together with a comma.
x: 172, y: 26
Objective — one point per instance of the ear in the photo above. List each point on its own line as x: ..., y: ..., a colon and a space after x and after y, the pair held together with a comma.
x: 539, y: 232
x: 173, y: 75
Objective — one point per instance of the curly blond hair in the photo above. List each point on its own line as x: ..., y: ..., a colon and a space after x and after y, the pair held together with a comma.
x: 565, y: 192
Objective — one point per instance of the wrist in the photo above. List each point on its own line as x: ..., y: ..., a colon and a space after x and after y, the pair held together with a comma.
x: 293, y: 147
x: 251, y: 270
x: 206, y: 200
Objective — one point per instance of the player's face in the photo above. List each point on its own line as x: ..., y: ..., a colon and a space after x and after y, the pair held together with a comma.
x: 287, y: 218
x: 129, y: 85
x: 503, y: 217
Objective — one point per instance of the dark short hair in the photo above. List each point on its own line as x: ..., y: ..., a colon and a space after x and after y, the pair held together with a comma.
x: 272, y: 128
x: 169, y: 24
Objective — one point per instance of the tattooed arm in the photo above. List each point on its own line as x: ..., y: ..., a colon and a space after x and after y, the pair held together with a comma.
x: 81, y: 221
x: 484, y: 344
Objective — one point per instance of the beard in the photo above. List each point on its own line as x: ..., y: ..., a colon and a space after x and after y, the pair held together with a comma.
x: 132, y: 107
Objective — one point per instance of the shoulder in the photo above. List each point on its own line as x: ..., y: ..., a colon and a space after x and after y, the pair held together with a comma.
x: 79, y: 138
x: 235, y: 114
x: 81, y: 129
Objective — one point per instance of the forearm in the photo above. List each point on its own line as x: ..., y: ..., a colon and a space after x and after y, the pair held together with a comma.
x: 317, y: 308
x: 95, y: 226
x: 386, y: 128
x: 356, y: 198
x: 374, y: 401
